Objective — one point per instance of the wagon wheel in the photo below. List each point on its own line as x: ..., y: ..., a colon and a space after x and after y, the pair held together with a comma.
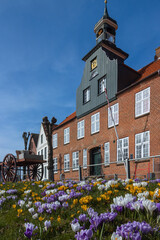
x: 9, y: 168
x: 35, y: 172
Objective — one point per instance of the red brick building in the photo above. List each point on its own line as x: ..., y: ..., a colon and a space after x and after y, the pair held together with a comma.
x: 87, y: 137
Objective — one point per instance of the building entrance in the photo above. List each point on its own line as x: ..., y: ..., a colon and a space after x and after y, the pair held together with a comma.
x: 95, y: 158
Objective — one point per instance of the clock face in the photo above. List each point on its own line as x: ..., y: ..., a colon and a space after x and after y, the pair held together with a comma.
x: 93, y: 63
x: 99, y: 32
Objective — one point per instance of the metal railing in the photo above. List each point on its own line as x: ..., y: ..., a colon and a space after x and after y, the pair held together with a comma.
x: 84, y: 172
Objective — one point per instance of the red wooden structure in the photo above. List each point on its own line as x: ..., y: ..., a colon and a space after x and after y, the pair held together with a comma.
x: 32, y: 162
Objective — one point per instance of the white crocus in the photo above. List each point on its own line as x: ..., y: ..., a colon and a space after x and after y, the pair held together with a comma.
x: 31, y: 210
x: 101, y: 187
x: 149, y: 206
x: 27, y: 192
x: 123, y: 201
x: 2, y: 192
x: 35, y: 216
x: 75, y: 227
x: 116, y: 237
x: 21, y: 203
x: 136, y: 205
x: 143, y: 195
x: 52, y: 191
x: 144, y: 184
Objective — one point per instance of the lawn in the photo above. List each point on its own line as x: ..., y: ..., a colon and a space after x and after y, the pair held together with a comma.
x: 97, y: 209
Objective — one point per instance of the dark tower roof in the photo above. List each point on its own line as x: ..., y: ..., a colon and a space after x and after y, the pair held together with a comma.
x: 106, y: 15
x: 105, y: 28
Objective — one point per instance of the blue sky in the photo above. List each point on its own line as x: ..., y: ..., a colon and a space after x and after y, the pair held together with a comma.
x: 42, y: 43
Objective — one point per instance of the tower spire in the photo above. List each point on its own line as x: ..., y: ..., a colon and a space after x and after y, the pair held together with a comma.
x: 105, y: 9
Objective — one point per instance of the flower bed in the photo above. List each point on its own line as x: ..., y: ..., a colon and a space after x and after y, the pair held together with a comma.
x: 97, y: 209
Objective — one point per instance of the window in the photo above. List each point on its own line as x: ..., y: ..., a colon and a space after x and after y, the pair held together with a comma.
x: 86, y: 95
x: 142, y: 145
x: 95, y: 123
x: 55, y: 140
x: 55, y: 165
x: 115, y: 115
x: 66, y: 135
x: 84, y: 158
x: 75, y: 160
x: 45, y: 153
x: 142, y: 102
x: 41, y: 138
x: 66, y: 162
x: 122, y: 147
x: 39, y: 153
x: 93, y: 64
x: 106, y: 153
x: 101, y: 85
x: 42, y: 152
x: 80, y: 129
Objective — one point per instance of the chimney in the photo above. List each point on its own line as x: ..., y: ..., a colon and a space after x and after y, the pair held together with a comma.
x: 157, y: 56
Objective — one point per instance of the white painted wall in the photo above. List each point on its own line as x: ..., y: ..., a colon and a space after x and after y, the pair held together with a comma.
x: 41, y: 146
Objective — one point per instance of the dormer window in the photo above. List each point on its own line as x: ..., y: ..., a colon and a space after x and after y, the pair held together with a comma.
x: 86, y: 95
x: 93, y: 63
x: 101, y: 85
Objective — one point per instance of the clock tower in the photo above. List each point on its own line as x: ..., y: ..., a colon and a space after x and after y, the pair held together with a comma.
x: 104, y: 68
x: 106, y: 27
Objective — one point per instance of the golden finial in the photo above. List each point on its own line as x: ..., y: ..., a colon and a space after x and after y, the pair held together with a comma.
x: 105, y: 1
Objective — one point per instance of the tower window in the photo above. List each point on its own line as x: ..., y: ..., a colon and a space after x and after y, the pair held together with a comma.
x: 101, y: 85
x: 86, y: 95
x: 94, y: 63
x: 99, y: 32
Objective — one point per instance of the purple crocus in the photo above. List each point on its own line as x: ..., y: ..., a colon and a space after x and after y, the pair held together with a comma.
x: 83, y: 217
x: 29, y: 230
x: 84, y: 234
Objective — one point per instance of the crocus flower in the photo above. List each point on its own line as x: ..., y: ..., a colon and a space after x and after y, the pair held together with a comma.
x: 35, y: 216
x: 29, y: 230
x: 75, y: 225
x: 47, y: 225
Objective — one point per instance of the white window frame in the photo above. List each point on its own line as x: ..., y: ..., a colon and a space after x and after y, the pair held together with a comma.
x: 55, y: 142
x: 55, y: 165
x: 101, y: 85
x: 141, y: 143
x: 106, y: 153
x: 142, y: 102
x: 75, y: 160
x: 84, y: 158
x: 95, y: 123
x: 42, y: 152
x: 122, y: 148
x: 80, y: 129
x: 115, y: 114
x: 66, y: 135
x: 66, y: 163
x: 86, y: 95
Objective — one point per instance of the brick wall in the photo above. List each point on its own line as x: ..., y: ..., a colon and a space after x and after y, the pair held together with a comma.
x: 128, y: 127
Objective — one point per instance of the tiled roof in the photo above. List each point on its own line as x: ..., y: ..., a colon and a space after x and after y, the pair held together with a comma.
x: 69, y: 118
x: 149, y: 69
